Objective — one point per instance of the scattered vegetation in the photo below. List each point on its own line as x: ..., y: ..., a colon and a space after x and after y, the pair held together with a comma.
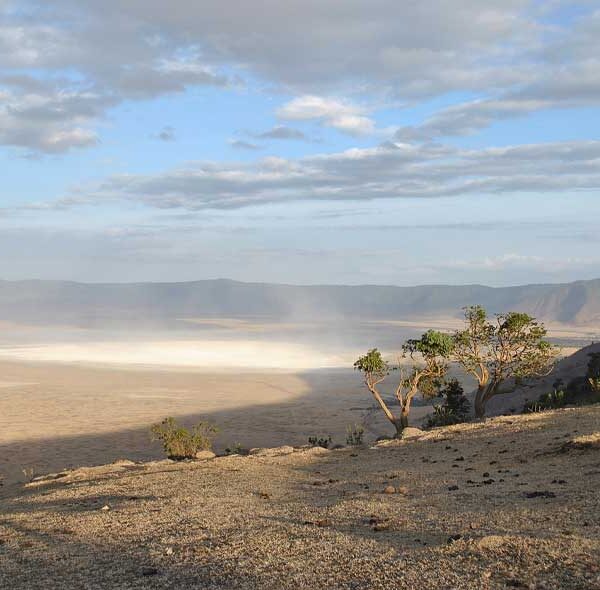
x: 234, y: 449
x: 354, y: 435
x: 180, y: 443
x: 429, y: 356
x: 511, y: 348
x: 454, y: 409
x: 593, y: 371
x: 580, y: 391
x: 319, y: 441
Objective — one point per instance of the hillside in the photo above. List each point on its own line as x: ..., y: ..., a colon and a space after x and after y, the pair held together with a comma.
x: 511, y: 503
x: 52, y: 302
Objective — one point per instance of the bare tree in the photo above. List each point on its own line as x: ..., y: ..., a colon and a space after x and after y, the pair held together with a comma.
x: 429, y: 355
x: 513, y: 347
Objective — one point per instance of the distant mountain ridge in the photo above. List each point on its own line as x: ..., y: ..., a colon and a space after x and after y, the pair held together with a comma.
x: 52, y: 302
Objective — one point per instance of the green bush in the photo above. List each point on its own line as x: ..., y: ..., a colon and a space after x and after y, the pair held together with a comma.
x: 234, y: 449
x: 321, y: 441
x: 593, y: 371
x: 454, y: 409
x: 547, y: 401
x: 354, y: 435
x: 180, y: 443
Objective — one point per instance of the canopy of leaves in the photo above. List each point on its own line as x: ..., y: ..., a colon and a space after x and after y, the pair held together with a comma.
x: 372, y: 364
x: 519, y: 348
x: 431, y: 344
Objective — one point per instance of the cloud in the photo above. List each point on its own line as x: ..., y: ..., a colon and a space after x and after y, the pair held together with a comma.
x: 343, y: 116
x: 167, y: 133
x: 240, y: 144
x: 49, y: 119
x: 282, y: 132
x: 390, y: 171
x: 511, y: 50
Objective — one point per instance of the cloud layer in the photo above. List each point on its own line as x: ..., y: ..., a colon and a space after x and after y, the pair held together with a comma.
x: 392, y: 170
x: 64, y: 64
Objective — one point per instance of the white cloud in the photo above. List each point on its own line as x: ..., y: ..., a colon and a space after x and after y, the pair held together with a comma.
x: 390, y: 171
x: 343, y: 116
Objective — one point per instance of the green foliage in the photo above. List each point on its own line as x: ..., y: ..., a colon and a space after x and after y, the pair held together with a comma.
x: 578, y: 392
x: 234, y: 449
x: 180, y: 443
x: 319, y: 441
x: 354, y: 435
x: 372, y: 364
x: 454, y: 409
x: 593, y: 371
x: 431, y: 344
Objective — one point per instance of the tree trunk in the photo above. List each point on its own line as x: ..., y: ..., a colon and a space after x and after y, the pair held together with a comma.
x: 484, y: 395
x: 479, y: 405
x: 402, y: 422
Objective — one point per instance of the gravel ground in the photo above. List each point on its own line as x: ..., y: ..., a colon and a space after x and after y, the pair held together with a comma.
x: 511, y: 503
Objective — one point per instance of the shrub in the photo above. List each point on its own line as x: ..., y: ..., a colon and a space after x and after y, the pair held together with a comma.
x: 234, y: 449
x: 593, y: 371
x: 453, y: 410
x: 547, y: 401
x: 180, y: 443
x: 316, y: 441
x: 354, y: 435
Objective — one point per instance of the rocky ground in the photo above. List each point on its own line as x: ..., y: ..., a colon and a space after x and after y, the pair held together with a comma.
x: 512, y: 503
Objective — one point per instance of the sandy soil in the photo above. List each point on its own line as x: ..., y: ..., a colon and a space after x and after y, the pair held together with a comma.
x: 64, y: 415
x: 512, y: 503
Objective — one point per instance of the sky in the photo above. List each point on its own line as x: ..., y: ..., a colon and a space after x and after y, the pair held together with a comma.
x: 300, y: 141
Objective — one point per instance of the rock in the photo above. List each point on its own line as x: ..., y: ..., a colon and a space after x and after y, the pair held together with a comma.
x: 389, y: 490
x: 313, y: 451
x: 410, y: 432
x: 105, y: 508
x: 124, y: 462
x: 274, y: 451
x: 149, y: 571
x: 491, y: 542
x: 402, y: 490
x: 540, y: 494
x: 204, y: 455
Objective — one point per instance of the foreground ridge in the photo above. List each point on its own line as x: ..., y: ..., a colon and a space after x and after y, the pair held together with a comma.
x: 511, y: 502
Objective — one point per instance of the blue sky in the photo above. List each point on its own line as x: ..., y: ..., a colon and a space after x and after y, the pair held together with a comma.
x: 302, y: 142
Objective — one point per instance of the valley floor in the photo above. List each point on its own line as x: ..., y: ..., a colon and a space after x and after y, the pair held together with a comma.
x: 512, y: 503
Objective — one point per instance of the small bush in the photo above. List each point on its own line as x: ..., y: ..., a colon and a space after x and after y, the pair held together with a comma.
x: 547, y: 401
x: 234, y: 449
x: 593, y: 371
x: 454, y: 409
x: 316, y: 441
x: 354, y: 435
x: 180, y: 443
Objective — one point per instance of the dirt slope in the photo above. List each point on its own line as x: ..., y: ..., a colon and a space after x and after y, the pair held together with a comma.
x: 510, y: 503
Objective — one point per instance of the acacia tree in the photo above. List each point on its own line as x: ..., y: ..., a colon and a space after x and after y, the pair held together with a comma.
x: 512, y: 347
x: 429, y: 355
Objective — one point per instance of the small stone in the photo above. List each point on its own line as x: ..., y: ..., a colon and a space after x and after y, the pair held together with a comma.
x: 540, y: 494
x: 149, y: 571
x: 204, y: 455
x: 410, y: 432
x: 105, y: 507
x: 389, y: 490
